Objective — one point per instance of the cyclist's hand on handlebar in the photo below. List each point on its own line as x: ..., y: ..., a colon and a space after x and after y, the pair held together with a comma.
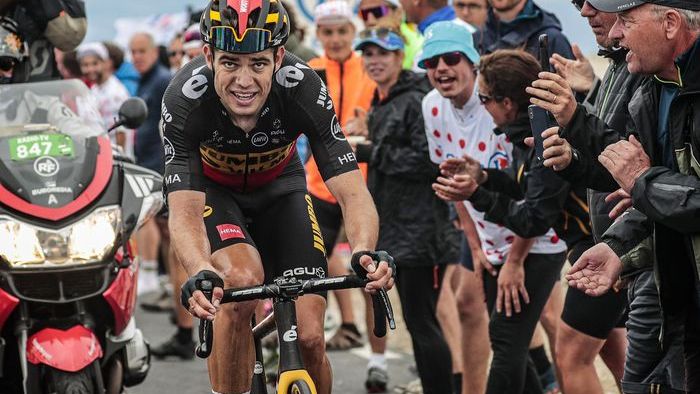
x: 380, y: 272
x: 195, y: 301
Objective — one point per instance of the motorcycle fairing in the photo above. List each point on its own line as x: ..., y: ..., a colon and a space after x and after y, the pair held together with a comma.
x: 66, y: 350
x: 121, y: 296
x: 103, y: 173
x: 7, y: 305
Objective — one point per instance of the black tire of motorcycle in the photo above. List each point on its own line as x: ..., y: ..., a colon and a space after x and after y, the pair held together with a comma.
x: 299, y: 387
x: 73, y: 382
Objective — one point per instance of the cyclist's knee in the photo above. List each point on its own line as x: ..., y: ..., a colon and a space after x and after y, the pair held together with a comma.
x: 312, y: 343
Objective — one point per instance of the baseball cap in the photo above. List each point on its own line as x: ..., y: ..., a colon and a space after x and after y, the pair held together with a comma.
x: 93, y: 49
x: 381, y: 37
x: 192, y: 38
x: 445, y: 37
x: 624, y: 5
x: 332, y: 12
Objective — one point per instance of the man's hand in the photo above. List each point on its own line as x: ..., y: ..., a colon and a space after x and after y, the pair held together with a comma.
x: 622, y: 205
x: 481, y: 264
x: 458, y: 188
x: 578, y: 73
x: 194, y: 299
x: 596, y: 271
x: 511, y: 285
x: 466, y: 165
x: 626, y: 161
x: 380, y: 274
x: 357, y: 126
x: 557, y: 152
x: 552, y: 93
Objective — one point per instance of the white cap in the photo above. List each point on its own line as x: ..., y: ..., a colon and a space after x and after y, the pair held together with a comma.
x: 93, y: 49
x: 333, y: 12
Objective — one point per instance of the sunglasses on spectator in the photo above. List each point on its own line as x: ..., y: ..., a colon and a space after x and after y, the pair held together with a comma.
x: 7, y: 63
x: 450, y: 59
x: 472, y: 7
x: 175, y: 53
x: 485, y: 98
x: 379, y: 32
x: 578, y: 4
x: 378, y: 12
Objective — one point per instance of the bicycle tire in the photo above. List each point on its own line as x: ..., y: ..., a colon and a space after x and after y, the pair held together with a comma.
x: 299, y: 387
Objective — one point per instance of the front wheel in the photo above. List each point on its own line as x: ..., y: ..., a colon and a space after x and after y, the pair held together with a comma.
x: 73, y: 382
x: 299, y: 387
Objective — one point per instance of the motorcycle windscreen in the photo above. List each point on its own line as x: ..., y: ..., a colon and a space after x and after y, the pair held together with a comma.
x: 50, y: 136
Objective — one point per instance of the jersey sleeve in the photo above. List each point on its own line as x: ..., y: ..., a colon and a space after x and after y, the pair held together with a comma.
x: 316, y: 119
x: 183, y: 165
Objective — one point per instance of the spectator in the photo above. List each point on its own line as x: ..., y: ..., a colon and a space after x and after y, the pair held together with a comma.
x: 350, y: 92
x: 176, y: 53
x: 295, y: 42
x: 388, y: 13
x: 49, y: 24
x: 67, y: 64
x: 653, y: 166
x: 474, y: 12
x: 147, y: 146
x: 192, y: 42
x: 517, y: 24
x: 122, y: 69
x: 110, y: 93
x: 422, y: 240
x: 529, y: 200
x: 426, y: 12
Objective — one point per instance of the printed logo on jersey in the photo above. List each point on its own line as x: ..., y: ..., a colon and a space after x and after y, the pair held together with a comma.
x: 259, y: 139
x: 315, y: 228
x: 229, y: 231
x: 196, y: 86
x: 290, y: 76
x: 499, y: 159
x: 231, y: 163
x: 169, y: 150
x: 336, y: 130
x: 165, y: 115
x: 323, y: 100
x: 277, y: 123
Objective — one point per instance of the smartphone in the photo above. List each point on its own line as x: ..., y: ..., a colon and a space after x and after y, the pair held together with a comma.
x: 544, y: 52
x: 539, y: 122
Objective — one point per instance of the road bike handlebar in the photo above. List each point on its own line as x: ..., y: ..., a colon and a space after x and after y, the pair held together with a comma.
x: 291, y: 288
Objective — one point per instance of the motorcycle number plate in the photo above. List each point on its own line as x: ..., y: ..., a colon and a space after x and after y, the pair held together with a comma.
x: 33, y: 146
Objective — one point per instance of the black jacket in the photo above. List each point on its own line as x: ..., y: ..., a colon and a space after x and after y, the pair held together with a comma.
x: 523, y: 33
x: 413, y: 223
x: 529, y: 198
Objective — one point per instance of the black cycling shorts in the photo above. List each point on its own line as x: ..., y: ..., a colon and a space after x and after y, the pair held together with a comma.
x: 593, y: 316
x: 330, y: 219
x: 280, y: 224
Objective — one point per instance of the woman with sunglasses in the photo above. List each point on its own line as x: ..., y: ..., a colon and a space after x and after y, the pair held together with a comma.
x: 526, y: 198
x: 414, y: 224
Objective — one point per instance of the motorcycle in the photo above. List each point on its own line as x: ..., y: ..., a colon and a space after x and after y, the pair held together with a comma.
x: 68, y: 270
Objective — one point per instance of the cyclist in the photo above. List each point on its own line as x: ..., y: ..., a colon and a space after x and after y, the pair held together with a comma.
x: 236, y: 189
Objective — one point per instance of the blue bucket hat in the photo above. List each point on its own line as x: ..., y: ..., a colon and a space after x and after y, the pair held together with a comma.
x: 381, y: 37
x: 445, y: 37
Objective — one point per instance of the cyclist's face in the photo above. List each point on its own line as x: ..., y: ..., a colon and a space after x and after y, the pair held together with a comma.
x: 382, y: 66
x: 92, y: 68
x: 243, y: 81
x: 336, y: 40
x: 453, y: 82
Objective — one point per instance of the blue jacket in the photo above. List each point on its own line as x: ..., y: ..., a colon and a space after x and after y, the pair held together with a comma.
x: 523, y: 32
x: 148, y: 147
x: 129, y: 77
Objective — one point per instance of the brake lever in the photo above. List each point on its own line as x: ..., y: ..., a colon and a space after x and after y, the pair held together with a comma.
x: 383, y: 310
x: 206, y: 328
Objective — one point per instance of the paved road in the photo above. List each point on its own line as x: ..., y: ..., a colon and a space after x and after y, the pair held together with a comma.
x: 175, y: 376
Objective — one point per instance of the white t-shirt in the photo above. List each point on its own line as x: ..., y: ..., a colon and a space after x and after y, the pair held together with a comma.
x: 110, y: 96
x: 452, y: 131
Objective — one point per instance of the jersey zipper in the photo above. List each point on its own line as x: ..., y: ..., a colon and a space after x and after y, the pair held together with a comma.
x: 340, y: 105
x: 245, y: 167
x: 607, y: 90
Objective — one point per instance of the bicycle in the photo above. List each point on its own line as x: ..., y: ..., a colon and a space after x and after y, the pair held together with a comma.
x: 292, y: 377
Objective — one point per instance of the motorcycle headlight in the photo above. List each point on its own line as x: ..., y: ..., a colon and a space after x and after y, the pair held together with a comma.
x: 88, y: 240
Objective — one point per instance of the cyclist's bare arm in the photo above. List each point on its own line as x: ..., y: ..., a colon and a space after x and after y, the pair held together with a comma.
x: 361, y: 222
x: 188, y: 236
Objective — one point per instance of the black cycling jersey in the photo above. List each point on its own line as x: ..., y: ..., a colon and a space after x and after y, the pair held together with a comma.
x: 201, y: 142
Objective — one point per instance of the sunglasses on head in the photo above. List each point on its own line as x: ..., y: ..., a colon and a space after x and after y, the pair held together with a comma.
x: 450, y: 59
x: 378, y: 12
x: 578, y: 4
x: 379, y: 32
x: 7, y: 63
x: 485, y: 98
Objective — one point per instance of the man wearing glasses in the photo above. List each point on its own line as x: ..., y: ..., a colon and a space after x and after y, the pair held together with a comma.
x: 239, y: 210
x: 474, y: 12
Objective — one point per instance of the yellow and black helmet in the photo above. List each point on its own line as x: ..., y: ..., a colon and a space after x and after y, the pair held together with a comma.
x: 244, y: 26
